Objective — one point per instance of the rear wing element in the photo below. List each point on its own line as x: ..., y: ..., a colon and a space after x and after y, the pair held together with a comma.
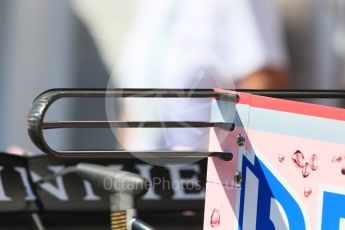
x: 288, y: 170
x: 279, y: 165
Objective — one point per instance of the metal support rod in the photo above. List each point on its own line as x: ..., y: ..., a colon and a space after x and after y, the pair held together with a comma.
x: 37, y: 125
x: 137, y: 124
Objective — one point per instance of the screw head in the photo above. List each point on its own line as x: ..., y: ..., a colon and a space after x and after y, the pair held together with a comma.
x: 238, y: 178
x: 240, y: 139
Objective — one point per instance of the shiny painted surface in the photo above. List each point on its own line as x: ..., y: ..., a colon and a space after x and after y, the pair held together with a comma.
x: 291, y: 166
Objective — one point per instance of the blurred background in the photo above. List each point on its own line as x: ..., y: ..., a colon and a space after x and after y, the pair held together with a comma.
x: 70, y: 43
x: 48, y: 44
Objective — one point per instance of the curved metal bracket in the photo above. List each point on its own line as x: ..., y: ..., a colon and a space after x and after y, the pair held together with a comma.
x: 40, y: 106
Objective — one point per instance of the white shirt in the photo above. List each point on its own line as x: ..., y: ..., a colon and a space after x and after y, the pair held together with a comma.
x: 189, y: 44
x: 243, y: 36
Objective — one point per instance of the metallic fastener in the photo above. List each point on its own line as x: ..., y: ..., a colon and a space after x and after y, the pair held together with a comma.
x: 238, y: 178
x: 240, y: 139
